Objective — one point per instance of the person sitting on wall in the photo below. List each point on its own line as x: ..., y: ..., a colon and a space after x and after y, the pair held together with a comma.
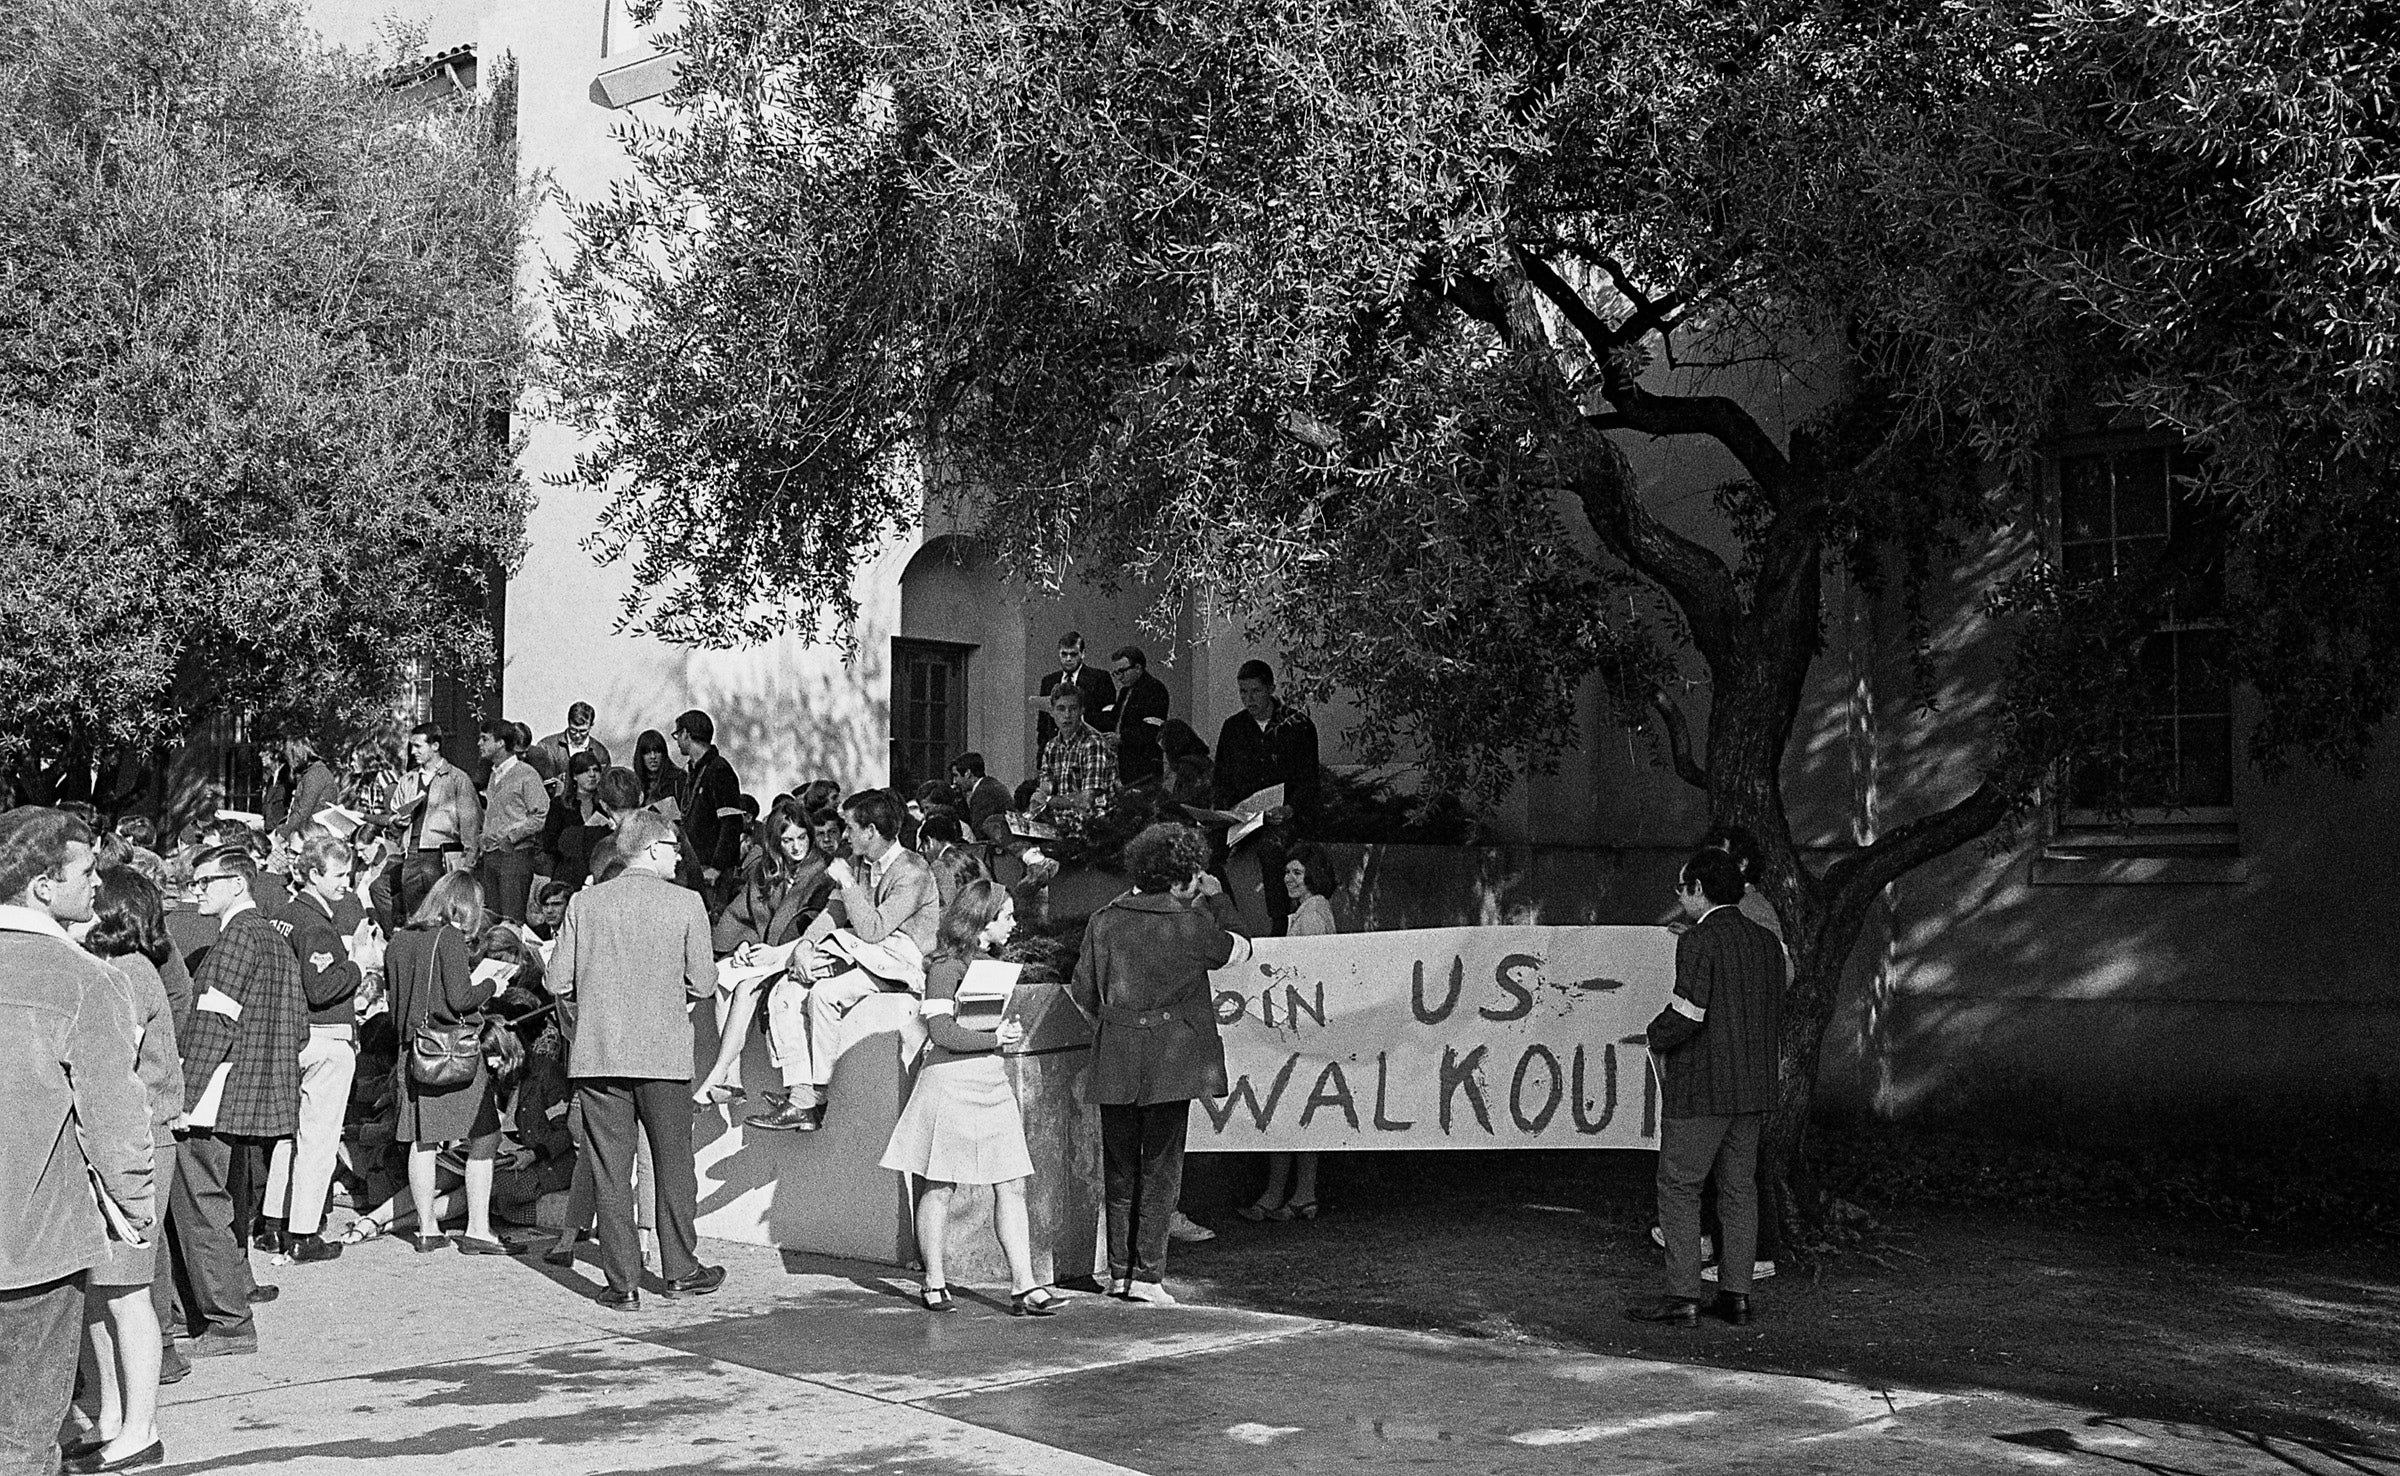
x: 1079, y: 768
x: 876, y: 937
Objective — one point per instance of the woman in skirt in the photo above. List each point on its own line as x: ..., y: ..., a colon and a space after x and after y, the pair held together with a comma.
x: 432, y: 978
x: 961, y: 1125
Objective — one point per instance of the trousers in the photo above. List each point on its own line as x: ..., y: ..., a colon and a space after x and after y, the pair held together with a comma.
x: 805, y: 1028
x: 216, y: 1267
x: 612, y: 1106
x: 300, y: 1170
x: 1689, y: 1150
x: 41, y: 1332
x: 507, y: 876
x: 1141, y: 1171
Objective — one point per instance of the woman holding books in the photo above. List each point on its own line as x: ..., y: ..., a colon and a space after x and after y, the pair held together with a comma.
x: 961, y: 1125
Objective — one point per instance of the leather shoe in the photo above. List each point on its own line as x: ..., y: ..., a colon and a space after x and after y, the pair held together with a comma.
x: 562, y: 1253
x: 261, y: 1295
x: 214, y: 1344
x: 153, y: 1454
x: 1733, y: 1307
x: 787, y: 1119
x: 699, y: 1284
x: 628, y: 1300
x: 273, y: 1239
x: 1676, y: 1311
x: 316, y: 1248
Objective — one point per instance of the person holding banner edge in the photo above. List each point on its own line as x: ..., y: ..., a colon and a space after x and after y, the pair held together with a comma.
x: 1142, y: 981
x: 1308, y: 880
x: 1716, y: 1046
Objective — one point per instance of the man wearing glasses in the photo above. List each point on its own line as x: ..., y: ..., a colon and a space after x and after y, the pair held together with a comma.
x: 1140, y: 711
x: 631, y: 951
x: 241, y: 1067
x: 551, y: 755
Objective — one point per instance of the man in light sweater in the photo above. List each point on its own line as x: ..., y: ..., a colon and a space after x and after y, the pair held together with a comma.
x: 515, y: 806
x: 630, y: 952
x: 71, y: 1109
x: 893, y: 907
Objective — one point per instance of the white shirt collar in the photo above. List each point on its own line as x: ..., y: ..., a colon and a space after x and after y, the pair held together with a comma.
x: 247, y: 904
x: 1713, y: 911
x: 17, y: 919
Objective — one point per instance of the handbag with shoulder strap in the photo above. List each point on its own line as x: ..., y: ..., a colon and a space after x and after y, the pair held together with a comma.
x: 441, y: 1057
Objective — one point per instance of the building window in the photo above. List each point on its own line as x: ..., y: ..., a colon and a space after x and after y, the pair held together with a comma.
x: 929, y: 710
x: 416, y: 693
x: 2160, y: 808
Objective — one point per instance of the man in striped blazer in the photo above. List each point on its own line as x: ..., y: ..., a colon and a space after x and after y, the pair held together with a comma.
x: 1716, y: 1045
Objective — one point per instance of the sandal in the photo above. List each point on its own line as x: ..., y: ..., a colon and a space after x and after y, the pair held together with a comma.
x: 937, y: 1299
x: 1039, y: 1302
x: 364, y: 1229
x: 1261, y: 1211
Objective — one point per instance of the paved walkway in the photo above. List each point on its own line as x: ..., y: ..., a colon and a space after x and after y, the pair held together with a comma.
x: 462, y: 1366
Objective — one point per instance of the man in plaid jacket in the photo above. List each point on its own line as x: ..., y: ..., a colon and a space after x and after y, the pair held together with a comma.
x: 1716, y: 1044
x: 241, y: 1064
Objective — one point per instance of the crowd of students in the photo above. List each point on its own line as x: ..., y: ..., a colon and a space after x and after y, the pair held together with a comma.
x: 445, y: 1003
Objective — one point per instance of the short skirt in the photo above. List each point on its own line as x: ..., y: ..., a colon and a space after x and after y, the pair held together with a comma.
x: 961, y: 1125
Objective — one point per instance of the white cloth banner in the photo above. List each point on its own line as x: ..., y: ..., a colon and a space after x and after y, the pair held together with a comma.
x: 1440, y: 1038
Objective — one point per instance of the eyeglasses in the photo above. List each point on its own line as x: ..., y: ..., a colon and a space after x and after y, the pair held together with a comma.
x: 202, y: 881
x: 1122, y: 670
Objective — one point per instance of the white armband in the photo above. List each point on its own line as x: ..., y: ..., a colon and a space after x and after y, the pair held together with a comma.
x: 939, y: 1009
x: 218, y: 1002
x: 1686, y: 1008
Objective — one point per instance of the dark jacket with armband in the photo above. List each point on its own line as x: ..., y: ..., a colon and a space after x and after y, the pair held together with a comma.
x: 1143, y: 981
x: 1718, y: 1039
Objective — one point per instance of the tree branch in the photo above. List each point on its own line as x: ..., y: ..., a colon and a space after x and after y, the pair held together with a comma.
x: 1854, y: 881
x: 1716, y: 416
x: 1679, y: 740
x: 1689, y: 571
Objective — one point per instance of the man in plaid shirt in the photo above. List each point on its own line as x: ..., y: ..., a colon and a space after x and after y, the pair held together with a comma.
x: 1716, y: 1045
x: 1079, y: 768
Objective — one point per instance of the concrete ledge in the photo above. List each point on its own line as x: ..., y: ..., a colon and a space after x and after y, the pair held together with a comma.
x: 622, y: 87
x: 827, y: 1193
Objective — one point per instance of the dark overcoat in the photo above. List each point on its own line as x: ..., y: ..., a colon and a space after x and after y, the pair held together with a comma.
x: 1142, y: 981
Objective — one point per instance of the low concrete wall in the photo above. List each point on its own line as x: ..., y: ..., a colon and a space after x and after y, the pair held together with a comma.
x: 827, y: 1193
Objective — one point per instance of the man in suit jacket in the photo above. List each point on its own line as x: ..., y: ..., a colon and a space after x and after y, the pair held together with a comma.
x: 1141, y: 702
x: 71, y: 1108
x: 1098, y: 692
x: 630, y: 952
x: 241, y: 1064
x: 893, y: 902
x: 986, y: 799
x: 1717, y: 1044
x: 300, y: 1170
x: 712, y: 812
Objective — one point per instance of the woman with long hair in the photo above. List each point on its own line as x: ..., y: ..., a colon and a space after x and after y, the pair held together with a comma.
x: 122, y: 1349
x: 962, y: 1124
x: 782, y: 892
x: 430, y: 972
x: 654, y: 769
x: 1308, y: 879
x: 576, y: 821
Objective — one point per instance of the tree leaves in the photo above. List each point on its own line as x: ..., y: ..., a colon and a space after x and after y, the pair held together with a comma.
x: 255, y: 324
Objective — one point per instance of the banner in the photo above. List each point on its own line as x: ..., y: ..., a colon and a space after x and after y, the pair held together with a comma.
x: 1522, y: 1037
